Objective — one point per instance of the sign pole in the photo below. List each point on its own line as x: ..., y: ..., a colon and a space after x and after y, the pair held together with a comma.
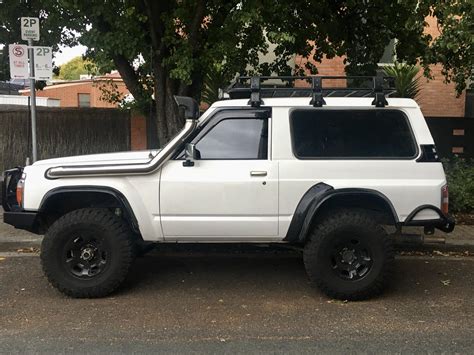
x: 33, y: 101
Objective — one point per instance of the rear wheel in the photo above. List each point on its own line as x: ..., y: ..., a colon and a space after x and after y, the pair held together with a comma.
x: 87, y: 253
x: 349, y: 256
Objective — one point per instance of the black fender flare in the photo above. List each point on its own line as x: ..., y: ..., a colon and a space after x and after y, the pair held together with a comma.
x: 314, y: 198
x: 121, y: 200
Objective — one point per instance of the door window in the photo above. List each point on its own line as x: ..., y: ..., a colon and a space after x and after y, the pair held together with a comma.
x: 235, y: 139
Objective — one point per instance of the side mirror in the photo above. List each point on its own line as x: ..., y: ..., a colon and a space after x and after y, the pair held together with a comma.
x: 187, y: 106
x: 190, y: 154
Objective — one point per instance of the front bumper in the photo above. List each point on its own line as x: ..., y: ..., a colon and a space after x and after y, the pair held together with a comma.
x: 13, y: 213
x: 444, y: 223
x: 22, y: 220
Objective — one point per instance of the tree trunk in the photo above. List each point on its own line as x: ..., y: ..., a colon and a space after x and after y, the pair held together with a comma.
x: 152, y: 141
x: 167, y: 117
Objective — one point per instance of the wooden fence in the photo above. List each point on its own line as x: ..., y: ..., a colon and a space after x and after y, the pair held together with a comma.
x: 61, y: 132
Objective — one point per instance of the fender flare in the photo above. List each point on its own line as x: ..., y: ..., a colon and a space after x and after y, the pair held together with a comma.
x: 110, y: 191
x: 314, y: 198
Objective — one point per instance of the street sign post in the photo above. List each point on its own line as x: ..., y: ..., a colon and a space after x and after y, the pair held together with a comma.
x: 41, y: 66
x: 30, y: 32
x: 34, y: 145
x: 18, y: 54
x: 30, y: 28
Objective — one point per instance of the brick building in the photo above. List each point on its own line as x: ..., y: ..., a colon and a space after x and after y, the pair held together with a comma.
x: 86, y: 92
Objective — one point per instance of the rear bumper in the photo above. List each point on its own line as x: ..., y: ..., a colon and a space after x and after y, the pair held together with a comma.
x: 22, y: 220
x: 445, y: 222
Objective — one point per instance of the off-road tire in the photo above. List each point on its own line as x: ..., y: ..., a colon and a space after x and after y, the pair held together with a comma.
x: 335, y: 230
x: 111, y: 230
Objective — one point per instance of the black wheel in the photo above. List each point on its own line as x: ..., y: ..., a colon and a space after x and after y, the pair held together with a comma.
x: 349, y: 256
x: 87, y: 253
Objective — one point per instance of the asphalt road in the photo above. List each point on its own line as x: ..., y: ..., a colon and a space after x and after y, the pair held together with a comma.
x: 238, y: 303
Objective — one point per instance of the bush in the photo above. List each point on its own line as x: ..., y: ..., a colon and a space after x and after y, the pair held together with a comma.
x: 460, y: 176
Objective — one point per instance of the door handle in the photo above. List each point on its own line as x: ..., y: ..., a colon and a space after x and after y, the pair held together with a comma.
x: 258, y: 173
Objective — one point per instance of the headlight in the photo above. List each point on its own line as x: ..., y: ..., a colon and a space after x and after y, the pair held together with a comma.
x: 20, y: 189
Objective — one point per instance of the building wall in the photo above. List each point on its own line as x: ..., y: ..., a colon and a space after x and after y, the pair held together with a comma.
x: 68, y: 93
x: 436, y: 98
x: 137, y: 132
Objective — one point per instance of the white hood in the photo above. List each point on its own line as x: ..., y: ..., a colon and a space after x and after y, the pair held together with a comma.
x: 142, y: 156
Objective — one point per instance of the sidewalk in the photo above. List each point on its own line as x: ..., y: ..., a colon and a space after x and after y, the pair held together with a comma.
x: 461, y: 239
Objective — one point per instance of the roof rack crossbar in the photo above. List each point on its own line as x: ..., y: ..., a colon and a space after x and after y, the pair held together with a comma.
x: 255, y: 100
x: 380, y: 100
x: 317, y: 99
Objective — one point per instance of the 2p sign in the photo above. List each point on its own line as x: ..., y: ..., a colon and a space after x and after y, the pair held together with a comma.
x: 43, y: 62
x: 30, y: 28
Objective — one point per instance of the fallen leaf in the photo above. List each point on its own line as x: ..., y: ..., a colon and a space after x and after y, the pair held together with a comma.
x: 28, y: 250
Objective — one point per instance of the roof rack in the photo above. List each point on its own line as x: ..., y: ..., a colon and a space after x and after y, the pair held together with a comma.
x: 257, y: 87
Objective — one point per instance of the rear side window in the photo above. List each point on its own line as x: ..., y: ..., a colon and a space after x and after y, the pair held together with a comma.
x: 351, y: 134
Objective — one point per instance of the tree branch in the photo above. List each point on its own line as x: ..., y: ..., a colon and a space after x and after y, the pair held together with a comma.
x: 129, y: 76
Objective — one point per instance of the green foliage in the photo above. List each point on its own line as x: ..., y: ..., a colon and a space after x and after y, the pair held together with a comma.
x: 214, y: 80
x: 170, y: 47
x: 76, y: 67
x: 460, y: 175
x: 407, y: 84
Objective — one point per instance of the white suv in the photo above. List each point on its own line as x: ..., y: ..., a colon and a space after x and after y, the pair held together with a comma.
x: 328, y: 174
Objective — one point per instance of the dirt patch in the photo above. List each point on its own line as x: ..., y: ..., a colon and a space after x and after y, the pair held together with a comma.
x: 464, y: 218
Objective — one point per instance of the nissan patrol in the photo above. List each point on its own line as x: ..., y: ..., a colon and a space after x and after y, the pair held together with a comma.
x: 330, y: 170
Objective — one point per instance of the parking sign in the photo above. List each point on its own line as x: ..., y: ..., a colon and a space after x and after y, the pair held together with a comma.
x: 43, y: 59
x: 30, y: 28
x: 18, y: 54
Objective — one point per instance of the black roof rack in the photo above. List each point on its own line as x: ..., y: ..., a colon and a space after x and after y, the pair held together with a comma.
x: 257, y: 87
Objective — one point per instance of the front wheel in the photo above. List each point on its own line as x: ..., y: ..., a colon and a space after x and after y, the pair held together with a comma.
x: 349, y: 256
x: 87, y: 253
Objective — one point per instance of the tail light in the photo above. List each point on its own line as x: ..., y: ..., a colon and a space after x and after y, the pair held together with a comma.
x: 444, y: 199
x: 20, y: 190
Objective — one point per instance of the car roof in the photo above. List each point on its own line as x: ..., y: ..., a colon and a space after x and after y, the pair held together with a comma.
x: 332, y: 102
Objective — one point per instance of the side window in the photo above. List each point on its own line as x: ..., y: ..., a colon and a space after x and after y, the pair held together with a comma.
x: 352, y: 134
x: 235, y: 138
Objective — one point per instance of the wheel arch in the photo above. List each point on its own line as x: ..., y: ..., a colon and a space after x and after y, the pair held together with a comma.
x: 62, y: 200
x: 321, y: 199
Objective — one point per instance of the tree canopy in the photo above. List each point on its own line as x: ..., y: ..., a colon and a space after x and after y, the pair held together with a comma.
x: 170, y: 47
x: 76, y: 67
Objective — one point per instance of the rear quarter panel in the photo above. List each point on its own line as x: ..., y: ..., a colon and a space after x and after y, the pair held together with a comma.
x: 406, y: 183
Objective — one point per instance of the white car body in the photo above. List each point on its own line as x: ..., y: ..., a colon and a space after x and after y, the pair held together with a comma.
x: 220, y: 201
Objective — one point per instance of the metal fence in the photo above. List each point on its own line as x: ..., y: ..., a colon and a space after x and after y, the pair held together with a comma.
x: 453, y: 136
x: 61, y: 132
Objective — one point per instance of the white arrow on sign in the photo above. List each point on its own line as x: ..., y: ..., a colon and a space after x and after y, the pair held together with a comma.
x: 18, y: 54
x: 43, y: 59
x: 30, y: 28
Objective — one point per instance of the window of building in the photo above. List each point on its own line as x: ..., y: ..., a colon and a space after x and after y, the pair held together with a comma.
x: 235, y: 138
x: 388, y: 56
x: 84, y: 100
x: 351, y: 134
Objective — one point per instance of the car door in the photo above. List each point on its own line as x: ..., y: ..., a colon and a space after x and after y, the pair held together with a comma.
x: 231, y: 192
